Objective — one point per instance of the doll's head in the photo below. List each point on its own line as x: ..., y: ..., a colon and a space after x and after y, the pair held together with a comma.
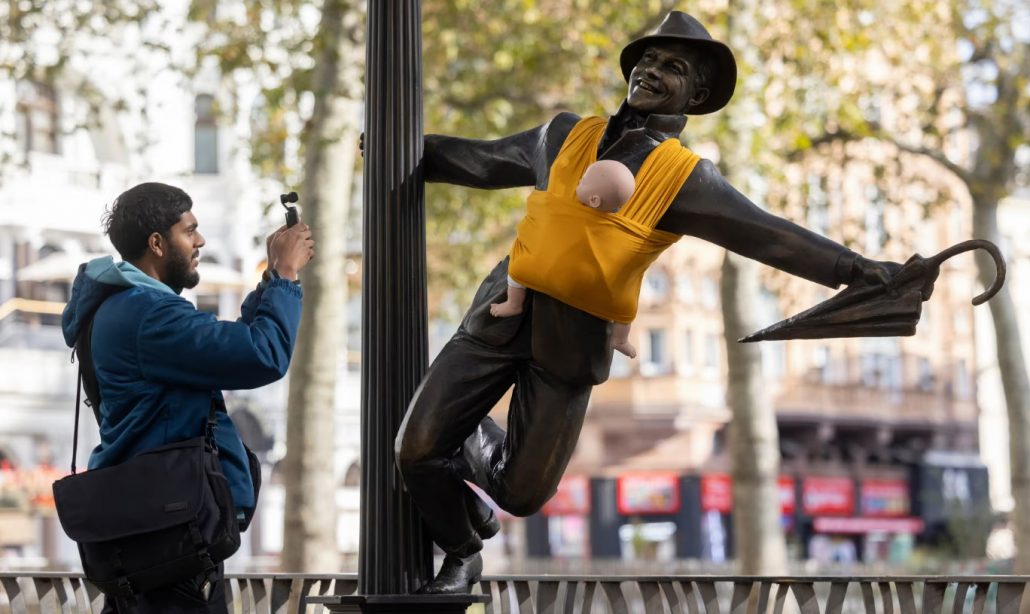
x: 606, y: 186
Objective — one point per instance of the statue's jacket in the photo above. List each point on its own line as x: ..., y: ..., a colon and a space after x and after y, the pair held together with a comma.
x: 568, y: 342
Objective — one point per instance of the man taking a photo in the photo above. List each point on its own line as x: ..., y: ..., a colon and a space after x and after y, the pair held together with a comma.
x: 160, y: 364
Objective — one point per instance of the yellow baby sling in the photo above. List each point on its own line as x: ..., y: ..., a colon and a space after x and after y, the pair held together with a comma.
x: 591, y: 260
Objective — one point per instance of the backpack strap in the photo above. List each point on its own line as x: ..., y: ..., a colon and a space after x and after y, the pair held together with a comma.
x: 87, y: 372
x: 87, y: 381
x: 75, y: 433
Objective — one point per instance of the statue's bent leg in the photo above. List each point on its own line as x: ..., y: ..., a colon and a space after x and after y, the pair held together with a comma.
x: 464, y: 382
x: 544, y: 420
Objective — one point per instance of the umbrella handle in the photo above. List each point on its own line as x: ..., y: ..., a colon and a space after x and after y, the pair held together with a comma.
x: 968, y: 246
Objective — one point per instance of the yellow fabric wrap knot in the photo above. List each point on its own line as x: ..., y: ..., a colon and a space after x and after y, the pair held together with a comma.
x: 591, y: 260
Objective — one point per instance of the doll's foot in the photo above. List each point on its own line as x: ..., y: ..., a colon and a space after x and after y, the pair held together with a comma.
x: 627, y: 349
x: 505, y: 309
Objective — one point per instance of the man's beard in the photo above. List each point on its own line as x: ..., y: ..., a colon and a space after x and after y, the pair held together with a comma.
x: 179, y: 274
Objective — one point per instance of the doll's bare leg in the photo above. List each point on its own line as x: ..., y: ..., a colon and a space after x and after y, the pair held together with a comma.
x: 620, y: 340
x: 512, y: 306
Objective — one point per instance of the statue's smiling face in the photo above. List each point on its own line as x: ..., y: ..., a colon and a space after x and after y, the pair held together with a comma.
x: 664, y: 80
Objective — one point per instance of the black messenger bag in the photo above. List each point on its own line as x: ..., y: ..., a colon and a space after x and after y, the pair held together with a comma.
x: 160, y: 518
x: 164, y: 516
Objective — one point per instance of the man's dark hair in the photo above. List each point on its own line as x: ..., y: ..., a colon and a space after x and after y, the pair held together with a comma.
x: 141, y: 211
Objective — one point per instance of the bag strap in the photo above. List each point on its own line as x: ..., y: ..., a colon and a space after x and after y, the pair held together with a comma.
x: 87, y: 382
x: 75, y: 433
x: 209, y: 428
x: 87, y: 372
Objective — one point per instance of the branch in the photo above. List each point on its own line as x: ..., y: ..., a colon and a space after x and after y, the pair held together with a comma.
x: 934, y: 155
x: 844, y: 136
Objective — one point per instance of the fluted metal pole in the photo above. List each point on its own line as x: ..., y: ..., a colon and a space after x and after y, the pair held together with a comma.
x: 395, y: 554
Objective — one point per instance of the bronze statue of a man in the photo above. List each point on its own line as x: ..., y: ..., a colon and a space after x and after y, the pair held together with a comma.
x: 553, y: 353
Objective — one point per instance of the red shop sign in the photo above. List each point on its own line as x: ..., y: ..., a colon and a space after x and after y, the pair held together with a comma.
x: 828, y: 496
x: 648, y: 493
x: 572, y: 498
x: 885, y: 498
x: 717, y: 493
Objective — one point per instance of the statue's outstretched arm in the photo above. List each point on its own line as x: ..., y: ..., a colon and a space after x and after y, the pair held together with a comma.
x: 508, y: 162
x: 708, y: 207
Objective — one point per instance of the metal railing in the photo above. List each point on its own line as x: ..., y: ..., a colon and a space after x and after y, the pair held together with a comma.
x: 66, y: 593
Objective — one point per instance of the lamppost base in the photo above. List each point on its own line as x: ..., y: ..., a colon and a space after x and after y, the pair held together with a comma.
x: 435, y: 604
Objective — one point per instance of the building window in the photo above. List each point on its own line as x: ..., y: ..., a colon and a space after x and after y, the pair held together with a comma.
x: 205, y: 136
x: 685, y: 288
x: 821, y: 363
x: 925, y: 381
x: 711, y: 351
x: 654, y: 359
x: 818, y: 205
x: 656, y: 285
x: 963, y: 382
x: 709, y: 292
x: 875, y: 230
x: 36, y: 118
x: 687, y: 354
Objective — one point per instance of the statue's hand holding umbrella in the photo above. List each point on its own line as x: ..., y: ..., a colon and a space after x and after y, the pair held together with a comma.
x: 870, y: 307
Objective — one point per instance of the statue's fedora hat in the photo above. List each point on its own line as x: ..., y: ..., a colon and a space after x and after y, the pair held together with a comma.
x: 682, y: 28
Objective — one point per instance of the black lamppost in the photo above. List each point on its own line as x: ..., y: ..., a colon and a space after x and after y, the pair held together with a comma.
x: 395, y: 555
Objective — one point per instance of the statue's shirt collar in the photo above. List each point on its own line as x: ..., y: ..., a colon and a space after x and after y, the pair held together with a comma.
x: 658, y: 127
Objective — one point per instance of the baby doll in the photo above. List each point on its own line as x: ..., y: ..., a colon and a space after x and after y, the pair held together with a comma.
x: 606, y: 186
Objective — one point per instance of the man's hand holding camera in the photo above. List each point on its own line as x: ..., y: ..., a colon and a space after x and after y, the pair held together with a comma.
x: 289, y: 250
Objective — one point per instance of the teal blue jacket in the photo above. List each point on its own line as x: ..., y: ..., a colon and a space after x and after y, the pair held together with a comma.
x: 160, y: 363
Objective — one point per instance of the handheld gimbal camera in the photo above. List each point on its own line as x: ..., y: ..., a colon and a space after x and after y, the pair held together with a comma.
x: 292, y: 217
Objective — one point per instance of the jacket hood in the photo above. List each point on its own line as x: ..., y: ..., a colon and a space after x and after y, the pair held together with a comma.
x: 95, y: 281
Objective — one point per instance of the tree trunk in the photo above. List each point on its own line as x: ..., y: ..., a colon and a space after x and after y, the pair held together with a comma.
x: 309, y: 534
x: 1014, y: 381
x: 754, y: 441
x: 754, y: 444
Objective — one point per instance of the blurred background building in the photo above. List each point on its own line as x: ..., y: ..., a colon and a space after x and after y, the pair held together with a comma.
x: 892, y: 448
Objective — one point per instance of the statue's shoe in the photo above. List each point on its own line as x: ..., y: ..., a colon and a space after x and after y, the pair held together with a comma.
x: 489, y: 527
x: 457, y: 575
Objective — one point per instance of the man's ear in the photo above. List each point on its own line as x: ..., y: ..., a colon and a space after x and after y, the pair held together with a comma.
x: 701, y: 94
x: 156, y: 244
x: 594, y: 201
